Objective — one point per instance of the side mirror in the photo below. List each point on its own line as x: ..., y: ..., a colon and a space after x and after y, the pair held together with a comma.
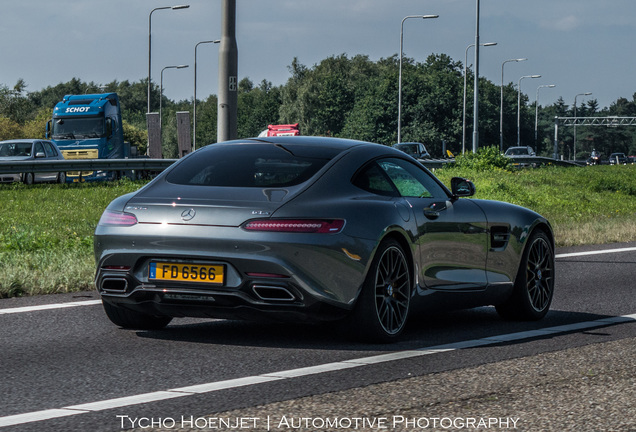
x: 40, y: 155
x: 48, y: 129
x: 460, y: 187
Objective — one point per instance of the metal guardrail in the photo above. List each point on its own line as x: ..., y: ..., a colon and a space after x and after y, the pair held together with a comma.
x: 540, y: 160
x: 524, y: 160
x: 435, y: 163
x: 9, y: 167
x: 145, y: 164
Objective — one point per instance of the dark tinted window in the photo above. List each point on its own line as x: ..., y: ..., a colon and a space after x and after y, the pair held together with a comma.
x: 397, y: 177
x: 250, y: 165
x: 373, y: 179
x: 408, y: 148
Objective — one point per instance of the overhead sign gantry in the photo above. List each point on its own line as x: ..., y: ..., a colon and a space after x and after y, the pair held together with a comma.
x: 611, y: 121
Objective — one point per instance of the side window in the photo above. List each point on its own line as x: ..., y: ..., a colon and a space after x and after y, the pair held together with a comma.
x: 410, y: 180
x: 38, y: 148
x: 50, y: 151
x: 373, y: 179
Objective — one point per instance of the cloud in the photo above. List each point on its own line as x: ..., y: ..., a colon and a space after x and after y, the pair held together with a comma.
x: 566, y: 23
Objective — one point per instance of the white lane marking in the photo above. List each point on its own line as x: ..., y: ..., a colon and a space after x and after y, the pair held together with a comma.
x: 36, y: 416
x: 598, y: 252
x: 49, y: 306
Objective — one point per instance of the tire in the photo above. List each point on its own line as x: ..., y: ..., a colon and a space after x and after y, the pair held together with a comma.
x: 534, y: 286
x: 382, y: 309
x: 28, y: 178
x: 61, y: 177
x: 134, y: 320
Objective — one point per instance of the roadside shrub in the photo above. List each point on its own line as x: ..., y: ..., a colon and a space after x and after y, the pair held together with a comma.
x: 614, y: 184
x: 486, y: 159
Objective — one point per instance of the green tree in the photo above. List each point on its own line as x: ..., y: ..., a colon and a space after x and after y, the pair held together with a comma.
x: 137, y: 137
x: 257, y: 107
x: 10, y: 129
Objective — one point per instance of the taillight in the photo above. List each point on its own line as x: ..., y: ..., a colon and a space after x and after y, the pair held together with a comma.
x: 319, y: 226
x: 115, y: 218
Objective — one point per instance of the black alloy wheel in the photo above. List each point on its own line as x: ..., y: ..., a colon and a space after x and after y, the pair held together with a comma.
x: 383, y: 306
x: 534, y: 285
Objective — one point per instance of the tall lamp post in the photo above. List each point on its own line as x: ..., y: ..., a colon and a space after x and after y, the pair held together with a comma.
x: 194, y: 107
x: 399, y: 133
x: 150, y: 43
x: 574, y: 145
x: 536, y: 112
x: 161, y: 89
x: 465, y: 74
x: 501, y: 103
x: 519, y: 106
x: 476, y: 83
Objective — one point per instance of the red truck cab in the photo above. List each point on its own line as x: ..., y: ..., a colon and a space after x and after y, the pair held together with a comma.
x: 281, y: 130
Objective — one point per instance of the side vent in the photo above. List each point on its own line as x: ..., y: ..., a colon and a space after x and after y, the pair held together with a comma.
x: 499, y: 236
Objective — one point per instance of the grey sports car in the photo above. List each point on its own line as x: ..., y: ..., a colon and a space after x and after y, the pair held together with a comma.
x: 311, y: 228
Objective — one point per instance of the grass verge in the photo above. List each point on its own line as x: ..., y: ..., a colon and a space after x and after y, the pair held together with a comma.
x: 46, y: 235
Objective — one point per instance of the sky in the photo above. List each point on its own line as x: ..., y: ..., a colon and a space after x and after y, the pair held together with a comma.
x: 579, y: 46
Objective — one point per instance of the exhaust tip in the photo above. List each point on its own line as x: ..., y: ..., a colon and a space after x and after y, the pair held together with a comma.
x: 115, y: 285
x: 273, y: 293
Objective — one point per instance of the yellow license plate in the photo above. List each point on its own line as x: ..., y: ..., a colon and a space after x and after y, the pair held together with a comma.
x: 212, y: 274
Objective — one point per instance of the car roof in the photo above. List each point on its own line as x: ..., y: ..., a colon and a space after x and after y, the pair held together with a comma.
x: 23, y: 140
x: 304, y: 141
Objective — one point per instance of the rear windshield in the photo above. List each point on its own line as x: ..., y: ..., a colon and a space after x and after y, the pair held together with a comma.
x: 250, y: 165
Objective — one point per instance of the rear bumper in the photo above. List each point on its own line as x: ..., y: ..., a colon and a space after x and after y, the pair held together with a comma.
x: 253, y: 300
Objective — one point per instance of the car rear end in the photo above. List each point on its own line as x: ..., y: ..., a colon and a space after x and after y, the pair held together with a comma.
x: 203, y: 240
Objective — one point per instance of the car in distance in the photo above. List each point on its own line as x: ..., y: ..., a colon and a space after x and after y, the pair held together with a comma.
x: 618, y: 159
x: 519, y: 152
x: 30, y: 149
x: 414, y: 149
x: 315, y: 229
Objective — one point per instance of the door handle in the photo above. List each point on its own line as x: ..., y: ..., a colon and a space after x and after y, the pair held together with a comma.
x: 434, y: 210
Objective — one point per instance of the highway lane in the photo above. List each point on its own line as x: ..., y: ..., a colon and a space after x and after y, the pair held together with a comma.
x: 55, y: 358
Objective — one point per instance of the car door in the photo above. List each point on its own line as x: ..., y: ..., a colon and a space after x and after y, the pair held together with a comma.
x: 39, y: 154
x: 452, y: 233
x: 50, y: 155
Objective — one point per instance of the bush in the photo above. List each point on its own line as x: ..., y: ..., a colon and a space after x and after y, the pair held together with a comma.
x: 486, y: 159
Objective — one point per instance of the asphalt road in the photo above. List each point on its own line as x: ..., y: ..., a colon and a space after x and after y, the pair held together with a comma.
x: 68, y: 368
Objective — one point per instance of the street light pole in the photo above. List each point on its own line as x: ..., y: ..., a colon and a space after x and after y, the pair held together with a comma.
x: 536, y: 113
x: 161, y: 89
x: 574, y: 144
x: 465, y: 74
x: 519, y: 106
x: 194, y: 107
x: 501, y: 103
x: 399, y: 131
x: 476, y: 85
x: 150, y: 44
